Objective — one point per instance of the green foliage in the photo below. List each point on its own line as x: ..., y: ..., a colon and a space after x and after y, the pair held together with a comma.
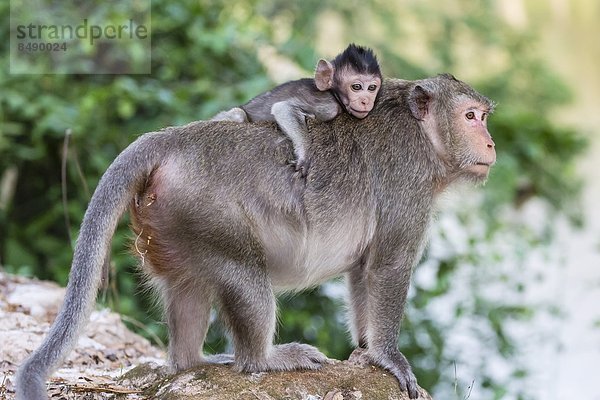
x: 205, y: 59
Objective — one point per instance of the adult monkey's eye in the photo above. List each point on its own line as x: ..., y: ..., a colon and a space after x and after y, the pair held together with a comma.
x: 356, y: 87
x: 470, y: 115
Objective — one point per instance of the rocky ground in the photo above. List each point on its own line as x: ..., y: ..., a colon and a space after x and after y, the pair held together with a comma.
x: 104, y: 352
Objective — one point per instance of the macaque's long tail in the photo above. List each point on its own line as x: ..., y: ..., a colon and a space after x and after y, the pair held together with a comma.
x: 109, y: 202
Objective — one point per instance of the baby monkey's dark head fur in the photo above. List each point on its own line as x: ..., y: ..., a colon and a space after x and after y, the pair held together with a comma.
x: 361, y: 59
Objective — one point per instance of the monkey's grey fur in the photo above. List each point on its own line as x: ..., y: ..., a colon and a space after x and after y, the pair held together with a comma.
x: 217, y: 232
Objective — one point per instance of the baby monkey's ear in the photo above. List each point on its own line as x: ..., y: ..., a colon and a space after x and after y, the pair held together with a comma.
x: 324, y: 75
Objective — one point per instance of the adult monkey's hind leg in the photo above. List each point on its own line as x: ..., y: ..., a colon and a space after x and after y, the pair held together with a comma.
x: 187, y: 305
x: 248, y: 307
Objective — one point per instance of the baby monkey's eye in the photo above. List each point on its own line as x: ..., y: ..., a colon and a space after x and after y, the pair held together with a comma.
x: 470, y: 115
x: 372, y: 88
x: 356, y: 87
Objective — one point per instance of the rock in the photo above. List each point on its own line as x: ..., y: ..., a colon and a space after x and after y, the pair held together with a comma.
x: 340, y: 380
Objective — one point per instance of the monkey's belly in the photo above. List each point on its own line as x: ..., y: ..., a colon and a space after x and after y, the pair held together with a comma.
x: 299, y: 259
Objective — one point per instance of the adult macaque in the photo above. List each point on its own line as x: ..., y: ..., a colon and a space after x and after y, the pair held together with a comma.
x: 349, y: 82
x: 217, y: 233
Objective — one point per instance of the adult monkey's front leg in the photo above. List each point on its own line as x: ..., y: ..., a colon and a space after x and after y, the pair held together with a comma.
x: 387, y: 281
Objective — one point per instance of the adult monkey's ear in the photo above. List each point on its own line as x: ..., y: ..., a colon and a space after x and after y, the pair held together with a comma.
x: 419, y: 101
x: 324, y: 75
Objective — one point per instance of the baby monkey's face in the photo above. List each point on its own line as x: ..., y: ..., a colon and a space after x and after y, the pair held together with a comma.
x: 358, y: 93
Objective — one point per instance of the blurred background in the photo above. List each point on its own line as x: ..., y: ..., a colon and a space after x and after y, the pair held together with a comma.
x: 505, y: 304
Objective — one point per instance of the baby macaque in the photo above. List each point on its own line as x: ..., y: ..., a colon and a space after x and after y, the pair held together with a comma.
x: 349, y: 82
